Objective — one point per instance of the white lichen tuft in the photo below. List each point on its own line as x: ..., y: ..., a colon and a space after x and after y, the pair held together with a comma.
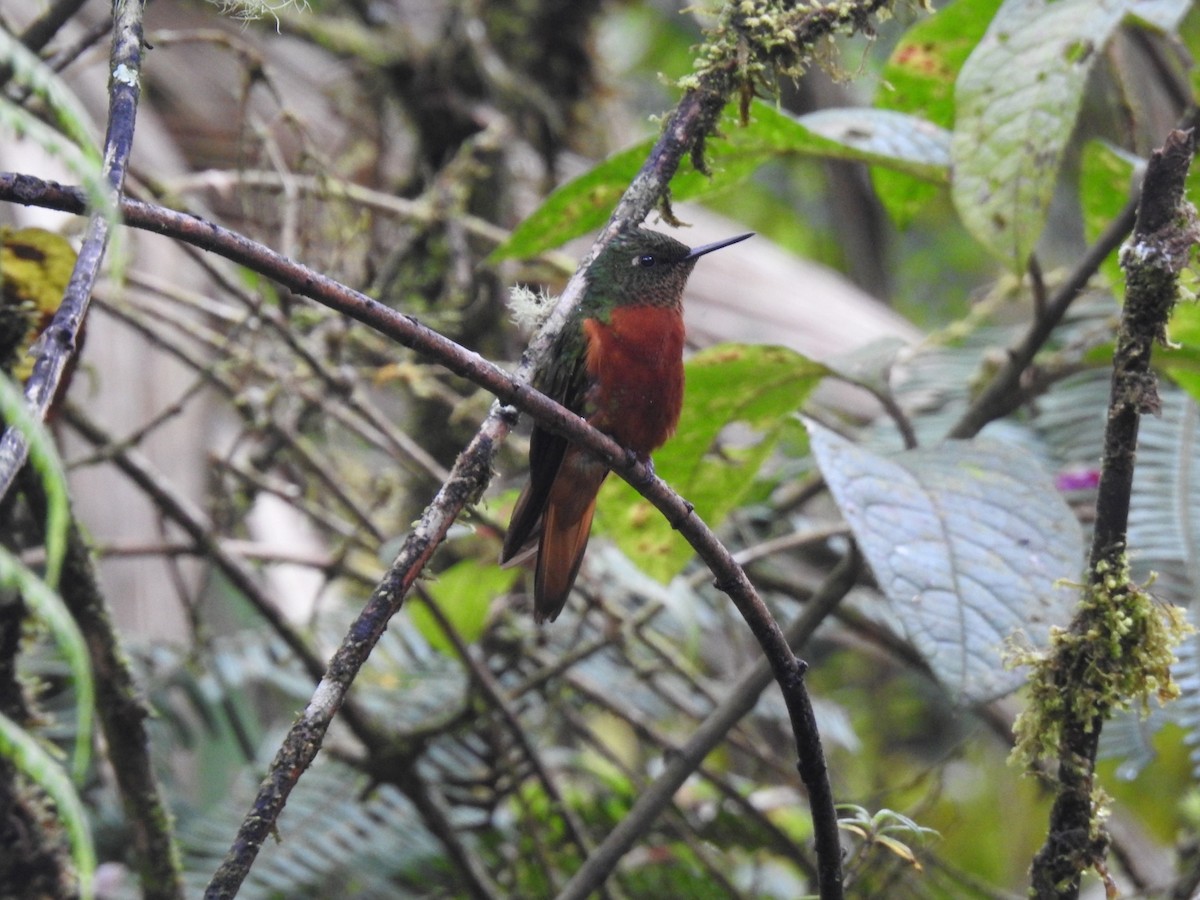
x: 530, y: 307
x: 249, y: 10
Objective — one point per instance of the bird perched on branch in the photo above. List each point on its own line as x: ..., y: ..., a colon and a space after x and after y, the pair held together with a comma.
x: 618, y: 363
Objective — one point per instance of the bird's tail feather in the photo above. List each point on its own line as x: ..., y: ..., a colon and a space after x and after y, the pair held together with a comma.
x: 566, y: 526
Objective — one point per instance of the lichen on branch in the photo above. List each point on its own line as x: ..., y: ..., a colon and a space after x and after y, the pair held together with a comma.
x: 1118, y: 653
x: 756, y: 43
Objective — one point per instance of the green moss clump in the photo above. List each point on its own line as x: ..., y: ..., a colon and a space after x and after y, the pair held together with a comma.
x: 1118, y: 651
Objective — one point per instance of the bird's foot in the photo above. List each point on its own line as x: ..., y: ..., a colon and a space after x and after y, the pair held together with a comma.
x: 635, y: 458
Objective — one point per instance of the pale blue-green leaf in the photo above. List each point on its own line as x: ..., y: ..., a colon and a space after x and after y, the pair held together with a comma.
x: 966, y: 540
x: 48, y: 608
x: 1164, y: 510
x: 900, y: 141
x: 1017, y: 99
x: 1164, y: 15
x: 29, y: 757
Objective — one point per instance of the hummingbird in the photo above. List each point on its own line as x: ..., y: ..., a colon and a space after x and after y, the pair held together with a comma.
x: 618, y: 363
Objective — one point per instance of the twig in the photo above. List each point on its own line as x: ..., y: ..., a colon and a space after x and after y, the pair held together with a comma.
x: 1003, y: 393
x: 1082, y: 667
x: 60, y: 341
x: 44, y: 27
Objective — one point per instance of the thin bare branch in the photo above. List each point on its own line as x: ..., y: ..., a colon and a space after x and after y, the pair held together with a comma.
x: 60, y: 341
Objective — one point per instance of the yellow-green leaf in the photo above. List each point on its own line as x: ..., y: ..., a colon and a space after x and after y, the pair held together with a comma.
x: 464, y: 593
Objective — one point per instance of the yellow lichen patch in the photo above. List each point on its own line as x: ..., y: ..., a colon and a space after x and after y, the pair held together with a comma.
x: 35, y: 266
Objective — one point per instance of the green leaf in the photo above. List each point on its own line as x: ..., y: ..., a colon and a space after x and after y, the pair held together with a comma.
x: 48, y: 608
x: 756, y: 386
x: 1182, y: 361
x: 919, y: 80
x: 575, y: 208
x: 1017, y: 99
x: 874, y: 136
x: 1105, y: 186
x: 464, y: 593
x: 967, y: 541
x: 28, y: 756
x: 919, y: 76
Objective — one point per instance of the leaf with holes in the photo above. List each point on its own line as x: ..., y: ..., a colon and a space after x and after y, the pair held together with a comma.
x: 1017, y: 99
x: 967, y: 541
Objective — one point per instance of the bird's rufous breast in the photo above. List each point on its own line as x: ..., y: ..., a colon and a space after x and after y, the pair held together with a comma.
x: 635, y: 365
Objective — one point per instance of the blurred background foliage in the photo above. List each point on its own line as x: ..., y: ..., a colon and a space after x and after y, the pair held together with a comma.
x: 431, y: 155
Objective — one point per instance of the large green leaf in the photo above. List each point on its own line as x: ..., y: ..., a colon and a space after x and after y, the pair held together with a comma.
x: 754, y: 386
x: 919, y: 80
x: 874, y: 136
x: 966, y: 540
x: 1181, y: 360
x: 1017, y: 99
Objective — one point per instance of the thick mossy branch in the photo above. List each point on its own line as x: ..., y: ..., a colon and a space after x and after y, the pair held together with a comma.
x: 1118, y: 648
x: 755, y: 43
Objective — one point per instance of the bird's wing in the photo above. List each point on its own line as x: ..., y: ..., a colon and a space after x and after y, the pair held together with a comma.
x: 568, y: 384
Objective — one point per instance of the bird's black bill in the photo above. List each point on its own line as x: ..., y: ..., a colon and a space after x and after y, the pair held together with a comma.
x: 709, y: 248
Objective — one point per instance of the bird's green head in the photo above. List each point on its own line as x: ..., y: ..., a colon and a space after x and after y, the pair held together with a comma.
x: 640, y: 267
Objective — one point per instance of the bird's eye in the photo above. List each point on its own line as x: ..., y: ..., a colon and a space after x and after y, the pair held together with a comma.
x: 646, y: 260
